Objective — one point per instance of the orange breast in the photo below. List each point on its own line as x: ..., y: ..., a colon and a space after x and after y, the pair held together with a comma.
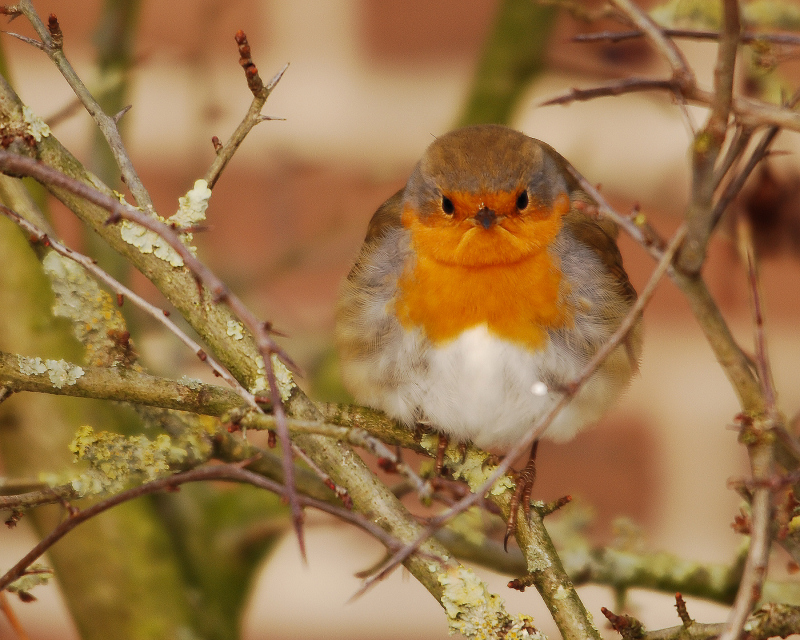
x: 517, y: 301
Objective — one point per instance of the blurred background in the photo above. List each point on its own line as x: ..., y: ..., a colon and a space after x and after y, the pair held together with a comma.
x: 370, y: 83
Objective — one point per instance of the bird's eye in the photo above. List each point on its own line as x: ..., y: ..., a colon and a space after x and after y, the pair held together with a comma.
x: 522, y: 200
x: 447, y: 205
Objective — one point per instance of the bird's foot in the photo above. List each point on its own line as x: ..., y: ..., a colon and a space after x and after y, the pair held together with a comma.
x: 522, y: 495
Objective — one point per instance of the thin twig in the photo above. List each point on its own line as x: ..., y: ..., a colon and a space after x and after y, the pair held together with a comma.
x: 681, y: 71
x: 736, y: 146
x: 734, y: 362
x: 20, y: 165
x: 26, y: 40
x: 50, y: 495
x: 252, y: 118
x: 762, y: 452
x: 626, y: 85
x: 16, y: 625
x: 735, y: 185
x: 747, y: 37
x: 229, y: 472
x: 748, y: 112
x: 770, y: 621
x: 105, y: 123
x: 120, y: 289
x: 708, y: 144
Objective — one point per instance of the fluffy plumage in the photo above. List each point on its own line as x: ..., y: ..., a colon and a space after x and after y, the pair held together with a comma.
x: 478, y: 281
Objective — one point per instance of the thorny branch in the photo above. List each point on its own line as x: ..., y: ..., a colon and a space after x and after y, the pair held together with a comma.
x: 768, y: 621
x: 108, y: 126
x: 52, y: 41
x: 121, y: 290
x: 228, y: 472
x: 759, y: 439
x: 253, y: 117
x: 745, y: 37
x: 708, y: 144
x: 20, y: 165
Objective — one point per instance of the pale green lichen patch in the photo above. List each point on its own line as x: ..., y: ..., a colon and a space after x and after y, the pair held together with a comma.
x: 35, y: 575
x: 475, y: 473
x: 31, y: 366
x: 61, y: 373
x: 235, y: 330
x: 536, y: 559
x: 192, y: 207
x: 92, y: 312
x: 260, y: 384
x: 429, y: 442
x: 282, y: 376
x: 191, y: 210
x: 35, y: 126
x: 192, y: 383
x: 521, y: 627
x: 116, y: 460
x: 475, y: 613
x: 148, y: 241
x: 502, y: 485
x: 561, y: 593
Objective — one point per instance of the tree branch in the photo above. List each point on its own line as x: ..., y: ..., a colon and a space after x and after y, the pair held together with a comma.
x: 681, y: 71
x: 758, y: 435
x: 252, y: 118
x: 746, y: 37
x: 229, y: 472
x: 707, y: 146
x: 37, y: 234
x: 106, y: 124
x: 769, y: 621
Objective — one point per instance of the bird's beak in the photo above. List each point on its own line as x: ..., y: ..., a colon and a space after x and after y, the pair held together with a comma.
x: 486, y: 217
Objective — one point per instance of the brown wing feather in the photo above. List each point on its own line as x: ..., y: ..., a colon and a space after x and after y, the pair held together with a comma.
x: 386, y: 217
x: 604, y: 245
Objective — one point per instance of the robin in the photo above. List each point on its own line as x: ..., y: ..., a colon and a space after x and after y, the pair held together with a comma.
x: 482, y: 289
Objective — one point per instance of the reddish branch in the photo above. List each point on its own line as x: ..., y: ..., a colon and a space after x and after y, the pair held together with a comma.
x: 627, y: 85
x: 747, y: 37
x: 253, y: 116
x: 629, y: 628
x: 17, y: 165
x: 683, y: 612
x: 226, y: 472
x: 55, y: 31
x: 246, y: 61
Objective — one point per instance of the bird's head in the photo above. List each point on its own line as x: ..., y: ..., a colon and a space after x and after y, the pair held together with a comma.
x: 486, y: 195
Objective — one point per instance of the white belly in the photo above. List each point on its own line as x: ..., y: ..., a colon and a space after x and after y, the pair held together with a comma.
x: 487, y: 390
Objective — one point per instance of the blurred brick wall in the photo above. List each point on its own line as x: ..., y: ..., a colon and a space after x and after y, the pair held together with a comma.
x: 370, y: 82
